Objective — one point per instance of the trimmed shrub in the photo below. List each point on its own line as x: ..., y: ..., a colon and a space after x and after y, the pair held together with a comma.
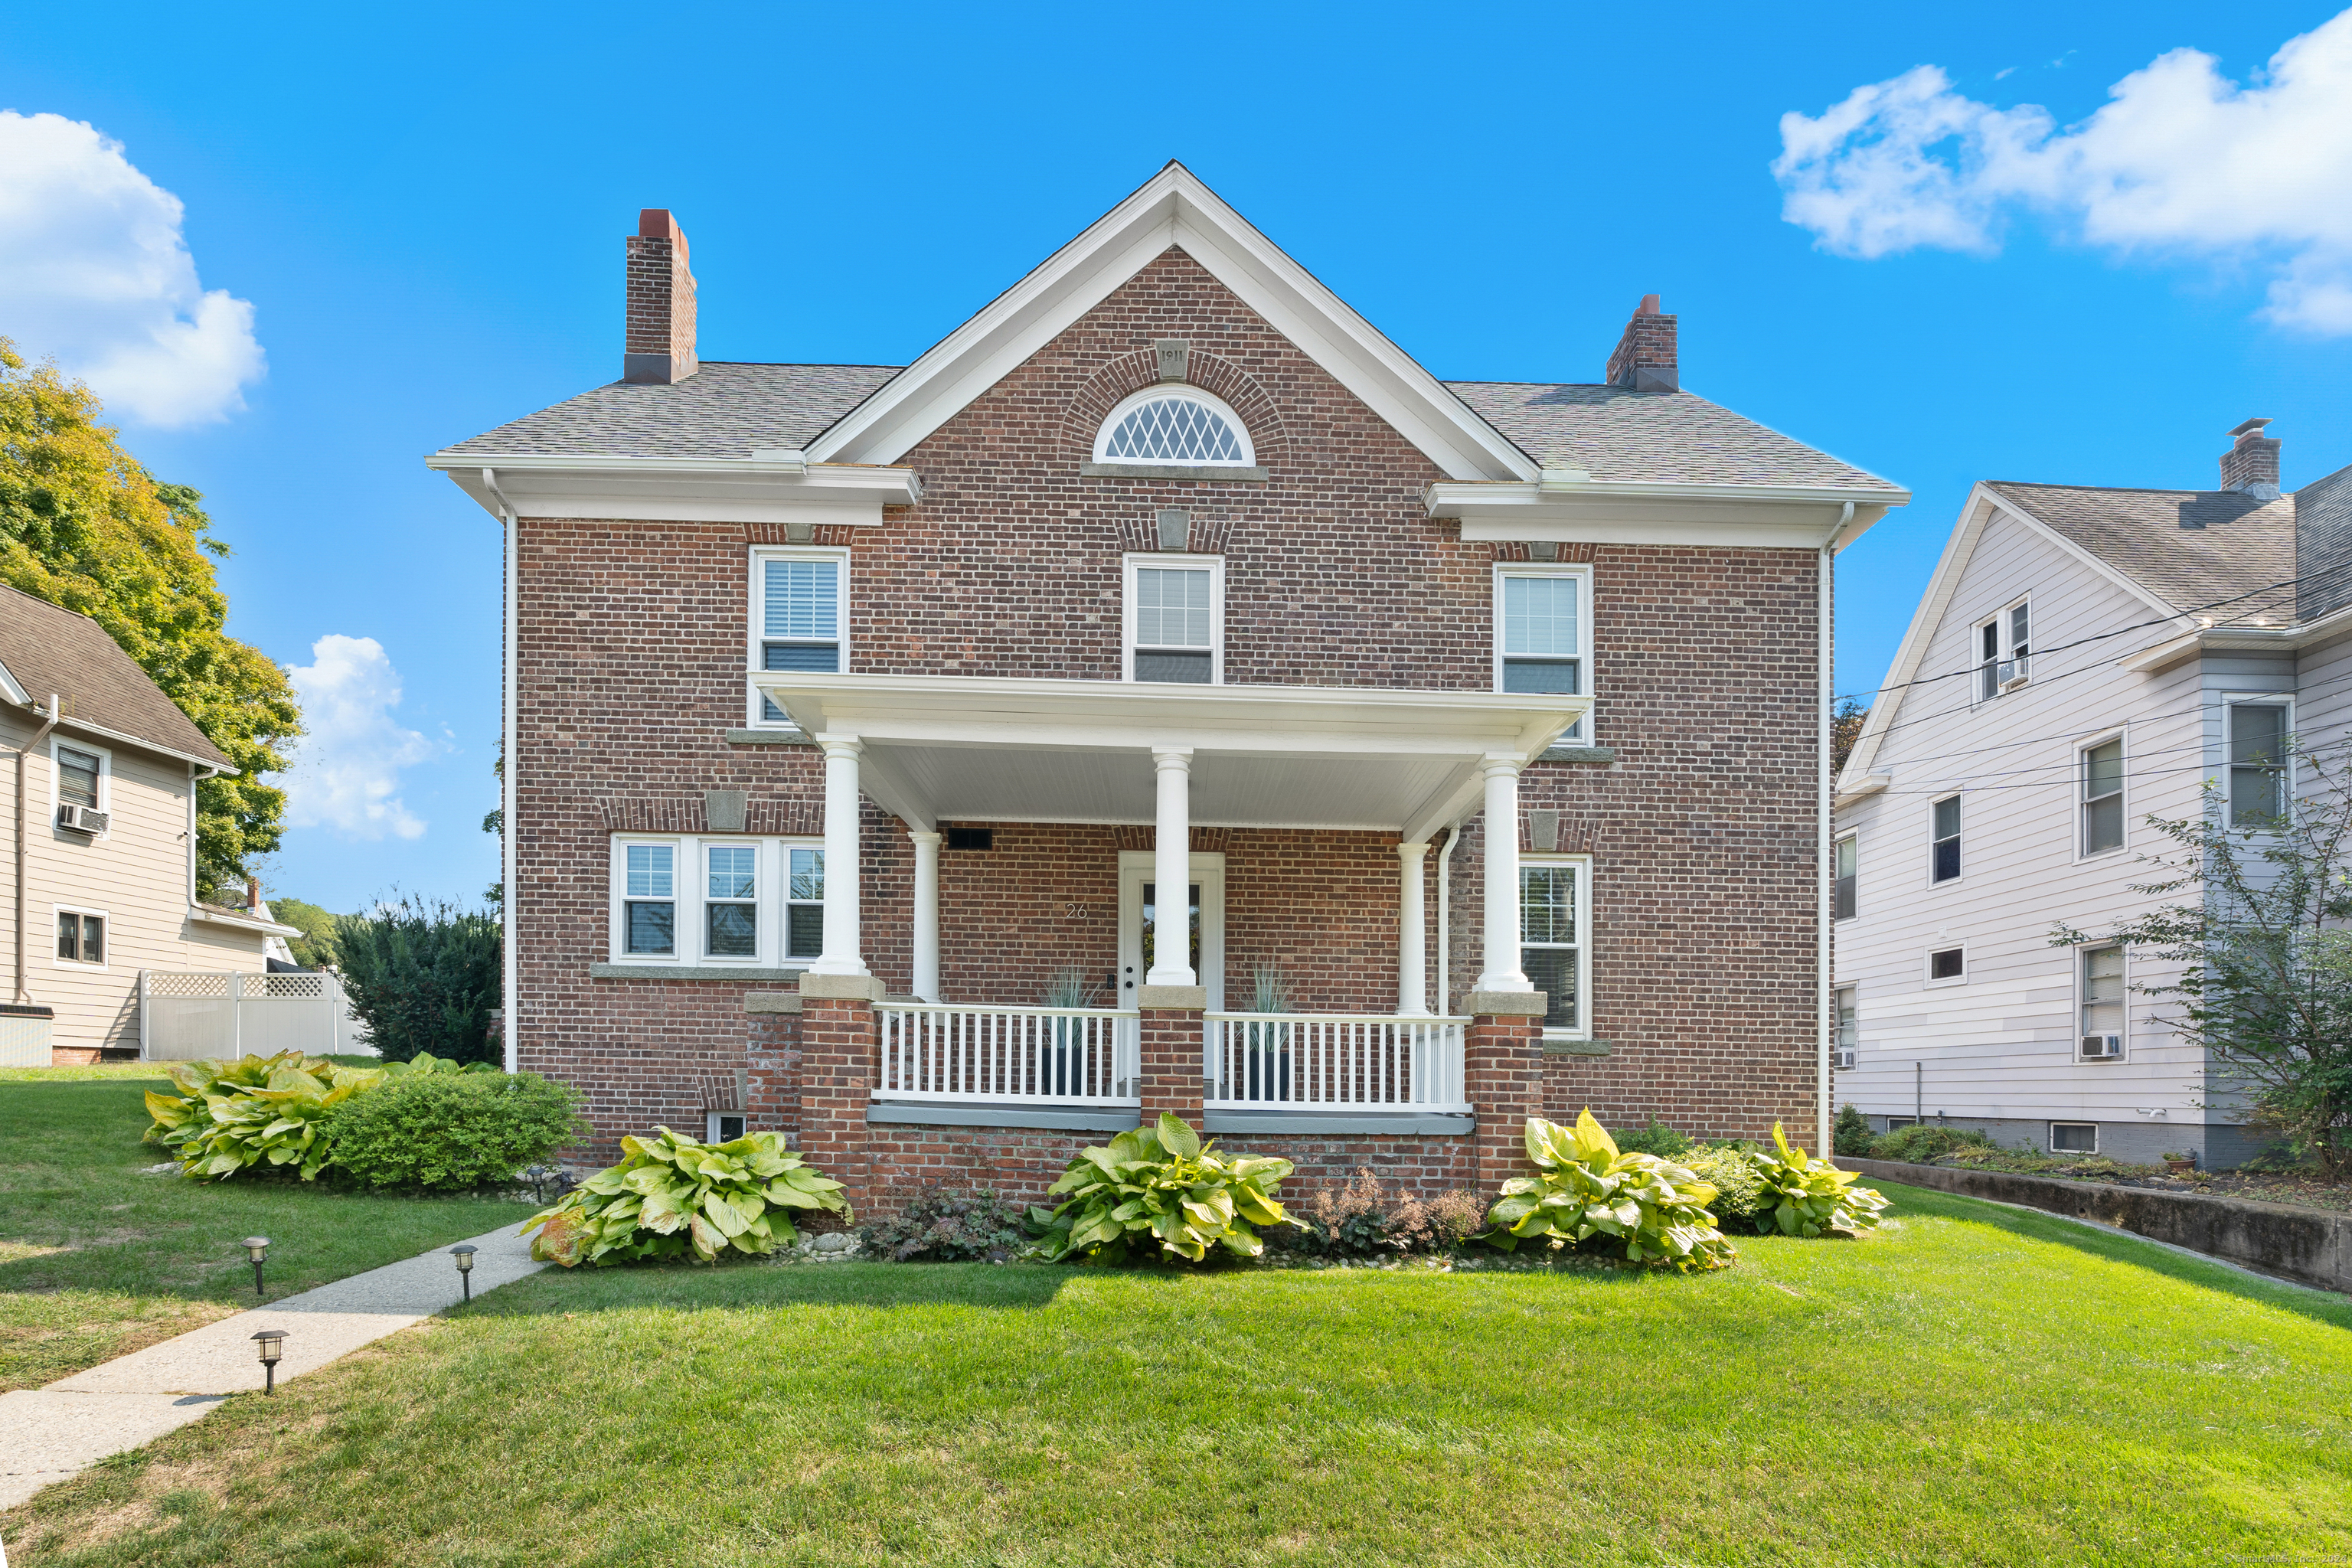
x: 424, y: 978
x: 1920, y: 1143
x: 1158, y: 1191
x: 1657, y: 1139
x: 942, y: 1226
x: 1738, y: 1193
x: 669, y: 1194
x: 269, y: 1112
x: 444, y: 1131
x: 1590, y: 1194
x: 1851, y: 1136
x: 1361, y: 1220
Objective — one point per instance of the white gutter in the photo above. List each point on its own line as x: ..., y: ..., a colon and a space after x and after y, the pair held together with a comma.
x: 202, y: 916
x: 1446, y: 498
x: 2241, y: 639
x: 56, y: 707
x: 510, y: 770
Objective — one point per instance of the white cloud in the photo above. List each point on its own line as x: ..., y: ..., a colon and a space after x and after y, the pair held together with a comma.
x: 94, y: 270
x: 2180, y: 161
x: 346, y: 772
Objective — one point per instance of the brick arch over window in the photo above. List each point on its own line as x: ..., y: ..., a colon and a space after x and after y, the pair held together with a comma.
x: 1082, y: 420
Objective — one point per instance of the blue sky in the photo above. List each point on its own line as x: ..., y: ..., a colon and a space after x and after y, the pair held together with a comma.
x: 423, y: 211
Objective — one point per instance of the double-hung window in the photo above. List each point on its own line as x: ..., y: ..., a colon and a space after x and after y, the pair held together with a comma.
x: 2258, y: 738
x: 649, y: 900
x: 1848, y: 1029
x: 1944, y: 846
x: 2103, y: 796
x: 1849, y: 867
x: 804, y: 903
x: 78, y: 773
x: 797, y: 615
x: 1554, y: 916
x: 2005, y: 651
x: 731, y: 908
x: 2102, y: 1001
x: 81, y: 937
x: 1543, y: 632
x: 1175, y: 619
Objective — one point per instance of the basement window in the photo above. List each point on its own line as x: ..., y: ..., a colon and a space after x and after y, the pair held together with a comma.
x: 2073, y: 1138
x: 722, y: 1127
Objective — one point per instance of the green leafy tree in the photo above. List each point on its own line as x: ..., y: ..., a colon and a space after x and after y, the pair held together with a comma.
x: 1846, y: 729
x: 315, y: 948
x: 85, y: 527
x: 2262, y: 931
x: 424, y: 977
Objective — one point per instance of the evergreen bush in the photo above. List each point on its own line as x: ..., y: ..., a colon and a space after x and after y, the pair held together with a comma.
x: 424, y: 977
x: 1850, y: 1135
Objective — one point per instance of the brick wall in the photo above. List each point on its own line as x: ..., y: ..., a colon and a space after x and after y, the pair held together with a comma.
x: 633, y: 639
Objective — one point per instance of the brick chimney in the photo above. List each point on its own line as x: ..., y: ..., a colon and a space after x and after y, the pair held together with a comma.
x: 1645, y: 358
x: 660, y: 347
x: 2252, y: 464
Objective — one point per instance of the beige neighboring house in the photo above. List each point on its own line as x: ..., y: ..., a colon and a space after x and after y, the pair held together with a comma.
x: 101, y: 813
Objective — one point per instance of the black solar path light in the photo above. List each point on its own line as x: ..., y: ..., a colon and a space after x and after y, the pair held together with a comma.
x: 257, y: 1248
x: 272, y: 1342
x: 463, y: 1253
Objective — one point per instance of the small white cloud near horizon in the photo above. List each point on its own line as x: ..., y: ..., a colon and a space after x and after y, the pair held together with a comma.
x: 2181, y: 160
x: 346, y: 772
x: 95, y: 273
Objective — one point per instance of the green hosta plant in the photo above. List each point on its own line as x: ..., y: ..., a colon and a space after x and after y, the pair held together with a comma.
x: 268, y: 1111
x: 1806, y: 1196
x: 669, y: 1194
x: 1160, y: 1190
x: 1588, y: 1193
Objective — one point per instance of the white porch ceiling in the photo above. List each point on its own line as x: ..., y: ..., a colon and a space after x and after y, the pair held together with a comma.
x: 989, y: 749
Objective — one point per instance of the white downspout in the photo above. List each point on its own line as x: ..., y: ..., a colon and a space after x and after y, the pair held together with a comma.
x: 1444, y: 925
x: 1827, y: 1022
x: 56, y: 708
x: 509, y: 771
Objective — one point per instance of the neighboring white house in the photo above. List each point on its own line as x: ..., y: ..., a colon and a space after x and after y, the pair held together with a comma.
x: 98, y: 791
x: 2085, y: 657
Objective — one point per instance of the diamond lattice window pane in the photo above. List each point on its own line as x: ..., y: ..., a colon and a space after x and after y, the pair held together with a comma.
x: 1175, y: 430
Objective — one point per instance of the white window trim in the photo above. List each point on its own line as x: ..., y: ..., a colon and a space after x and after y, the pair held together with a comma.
x: 1582, y: 732
x: 1136, y: 561
x: 2050, y: 1137
x: 2232, y: 700
x: 710, y: 1128
x: 756, y: 610
x: 2083, y: 750
x: 691, y: 887
x: 1935, y: 801
x: 763, y: 918
x: 784, y: 899
x: 1853, y: 836
x: 2000, y: 618
x: 2083, y: 999
x: 78, y: 963
x: 1927, y: 965
x: 105, y: 777
x: 1583, y: 863
x: 1186, y: 393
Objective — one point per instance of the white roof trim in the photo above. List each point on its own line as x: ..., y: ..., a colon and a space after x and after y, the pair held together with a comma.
x: 13, y: 690
x: 1173, y: 208
x: 1936, y: 602
x: 773, y: 487
x: 253, y: 925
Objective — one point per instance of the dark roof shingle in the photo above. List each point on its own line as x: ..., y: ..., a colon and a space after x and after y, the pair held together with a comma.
x: 2191, y: 548
x: 48, y: 650
x: 723, y: 410
x: 1616, y: 434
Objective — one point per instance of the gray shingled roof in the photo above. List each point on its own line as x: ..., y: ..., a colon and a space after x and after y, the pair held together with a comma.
x: 1669, y: 438
x: 2188, y: 547
x: 49, y: 649
x: 724, y: 410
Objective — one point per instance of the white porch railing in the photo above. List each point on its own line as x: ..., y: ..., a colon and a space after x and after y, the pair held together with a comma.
x: 1001, y: 1056
x: 1326, y: 1061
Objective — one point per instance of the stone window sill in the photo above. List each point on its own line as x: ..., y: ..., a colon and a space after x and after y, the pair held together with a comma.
x: 1580, y: 754
x: 769, y: 738
x: 720, y: 972
x: 1210, y: 472
x: 1565, y: 1047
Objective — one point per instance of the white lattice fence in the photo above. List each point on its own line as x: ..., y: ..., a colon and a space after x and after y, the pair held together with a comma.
x: 189, y: 1016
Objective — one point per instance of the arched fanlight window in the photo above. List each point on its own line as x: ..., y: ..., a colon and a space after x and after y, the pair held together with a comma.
x: 1177, y: 426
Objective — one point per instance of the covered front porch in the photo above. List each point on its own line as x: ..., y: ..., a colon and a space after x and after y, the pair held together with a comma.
x: 1328, y: 795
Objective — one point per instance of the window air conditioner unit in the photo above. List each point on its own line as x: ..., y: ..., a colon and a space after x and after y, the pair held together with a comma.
x: 2102, y: 1048
x: 2015, y: 672
x: 1846, y: 1058
x: 82, y: 819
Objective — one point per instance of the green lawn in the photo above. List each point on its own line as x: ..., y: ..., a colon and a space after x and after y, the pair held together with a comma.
x: 97, y: 1258
x: 1972, y: 1386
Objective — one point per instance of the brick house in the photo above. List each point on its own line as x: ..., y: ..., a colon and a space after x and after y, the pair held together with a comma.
x: 1165, y: 569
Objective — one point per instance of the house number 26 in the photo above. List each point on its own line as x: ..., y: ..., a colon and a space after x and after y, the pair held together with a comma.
x: 1074, y: 912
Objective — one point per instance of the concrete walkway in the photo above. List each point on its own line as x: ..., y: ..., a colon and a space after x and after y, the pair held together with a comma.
x: 48, y: 1434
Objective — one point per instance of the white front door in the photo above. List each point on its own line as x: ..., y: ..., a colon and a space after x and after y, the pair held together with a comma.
x: 1137, y: 925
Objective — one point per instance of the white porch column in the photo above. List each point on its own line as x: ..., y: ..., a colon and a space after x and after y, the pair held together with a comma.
x: 1172, y: 869
x: 840, y: 860
x: 1412, y: 936
x: 927, y: 915
x: 1500, y: 940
